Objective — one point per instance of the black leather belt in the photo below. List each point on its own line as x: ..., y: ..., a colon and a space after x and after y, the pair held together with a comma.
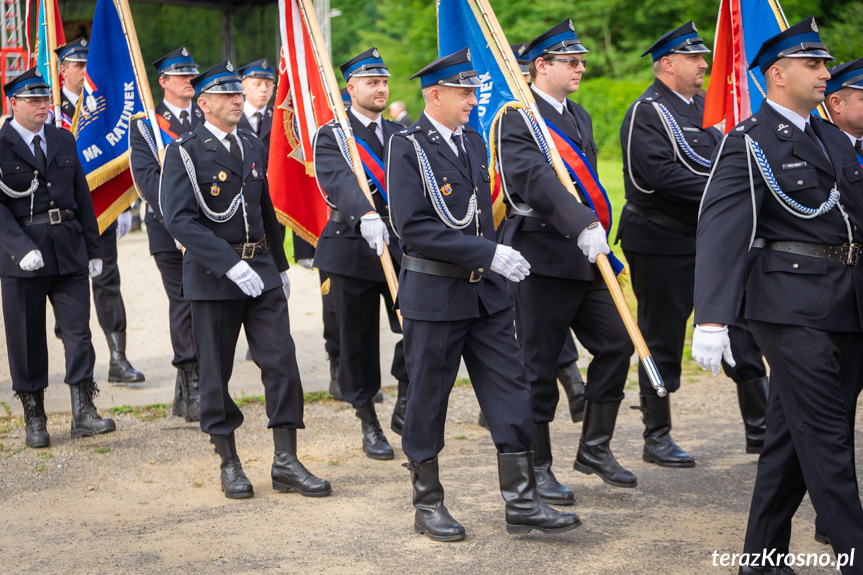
x: 660, y: 219
x: 846, y: 254
x: 250, y: 249
x: 439, y: 269
x: 52, y: 217
x: 520, y: 209
x: 336, y: 216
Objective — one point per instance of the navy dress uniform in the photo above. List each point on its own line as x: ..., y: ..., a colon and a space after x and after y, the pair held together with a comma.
x: 49, y: 239
x: 234, y: 269
x: 455, y: 305
x: 357, y: 281
x: 777, y: 189
x: 564, y: 289
x: 107, y: 297
x: 147, y: 170
x: 666, y: 161
x: 263, y: 120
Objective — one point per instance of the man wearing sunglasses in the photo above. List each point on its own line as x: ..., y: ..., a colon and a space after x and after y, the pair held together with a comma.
x: 561, y: 236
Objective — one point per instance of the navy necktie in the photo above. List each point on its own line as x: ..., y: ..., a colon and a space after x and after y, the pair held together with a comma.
x: 235, y: 148
x: 462, y: 154
x: 41, y: 161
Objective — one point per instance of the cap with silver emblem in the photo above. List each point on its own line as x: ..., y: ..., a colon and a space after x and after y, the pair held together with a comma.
x: 451, y: 70
x: 799, y: 41
x: 176, y: 63
x: 257, y: 69
x: 559, y: 40
x: 73, y: 51
x: 369, y: 63
x: 30, y: 84
x: 848, y: 75
x: 220, y: 79
x: 682, y: 40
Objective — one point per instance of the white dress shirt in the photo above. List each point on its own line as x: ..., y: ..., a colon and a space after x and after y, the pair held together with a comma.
x: 220, y: 135
x: 365, y: 121
x: 28, y: 136
x: 447, y: 134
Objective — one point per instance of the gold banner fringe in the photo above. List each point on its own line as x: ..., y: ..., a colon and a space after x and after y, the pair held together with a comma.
x: 119, y: 206
x: 305, y: 234
x: 109, y: 171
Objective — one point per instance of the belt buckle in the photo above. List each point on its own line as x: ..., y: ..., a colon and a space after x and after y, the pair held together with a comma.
x: 853, y: 254
x: 474, y: 277
x: 248, y: 251
x: 54, y: 216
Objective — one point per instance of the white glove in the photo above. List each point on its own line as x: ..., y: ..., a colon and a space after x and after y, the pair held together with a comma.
x: 247, y: 279
x: 32, y: 261
x: 286, y: 284
x: 592, y: 241
x: 124, y: 224
x: 710, y: 345
x: 95, y: 267
x: 179, y: 245
x: 375, y: 232
x: 509, y: 263
x: 307, y: 263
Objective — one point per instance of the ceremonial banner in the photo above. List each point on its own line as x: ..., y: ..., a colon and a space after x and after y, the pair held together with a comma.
x: 458, y: 27
x: 108, y: 102
x: 735, y: 91
x: 300, y: 108
x: 43, y: 50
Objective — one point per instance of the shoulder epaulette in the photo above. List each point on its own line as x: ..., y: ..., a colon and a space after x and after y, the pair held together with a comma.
x: 744, y: 126
x: 651, y: 97
x: 185, y: 137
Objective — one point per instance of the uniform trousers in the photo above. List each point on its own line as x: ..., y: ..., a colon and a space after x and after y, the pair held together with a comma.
x: 545, y: 310
x: 808, y: 443
x: 216, y: 328
x: 664, y: 286
x: 110, y: 310
x: 433, y: 350
x: 24, y: 317
x: 358, y: 307
x: 331, y: 323
x: 170, y: 266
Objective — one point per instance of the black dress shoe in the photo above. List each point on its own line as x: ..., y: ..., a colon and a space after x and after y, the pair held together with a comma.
x: 119, y: 369
x: 432, y: 518
x: 288, y: 473
x: 375, y: 444
x: 659, y: 447
x: 594, y: 447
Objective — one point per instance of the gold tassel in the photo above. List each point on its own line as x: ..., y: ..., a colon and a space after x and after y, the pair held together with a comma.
x: 325, y: 287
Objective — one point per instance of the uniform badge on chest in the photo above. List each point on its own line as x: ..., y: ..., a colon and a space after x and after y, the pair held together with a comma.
x: 446, y: 189
x: 215, y: 190
x: 223, y: 176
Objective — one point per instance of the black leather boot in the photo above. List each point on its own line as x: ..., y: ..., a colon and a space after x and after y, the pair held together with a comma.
x: 766, y: 571
x: 288, y: 473
x: 35, y: 418
x: 375, y: 443
x: 594, y: 450
x: 235, y: 484
x: 573, y: 385
x: 432, y: 517
x: 659, y: 448
x: 525, y: 512
x: 120, y: 370
x: 550, y: 490
x: 191, y: 392
x: 85, y: 419
x: 177, y: 407
x: 334, y: 377
x: 398, y: 421
x: 752, y: 396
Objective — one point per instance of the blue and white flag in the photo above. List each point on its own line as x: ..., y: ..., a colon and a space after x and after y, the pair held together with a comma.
x: 110, y: 99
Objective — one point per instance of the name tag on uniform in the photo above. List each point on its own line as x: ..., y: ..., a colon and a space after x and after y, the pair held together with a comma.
x: 794, y: 165
x: 691, y: 129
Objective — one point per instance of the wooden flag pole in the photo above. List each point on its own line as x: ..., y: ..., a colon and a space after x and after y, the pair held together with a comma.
x: 331, y: 87
x: 53, y: 65
x: 526, y: 96
x: 140, y: 70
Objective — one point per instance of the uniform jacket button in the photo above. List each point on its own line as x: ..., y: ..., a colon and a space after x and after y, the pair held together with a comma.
x: 481, y: 270
x: 795, y: 266
x: 13, y: 258
x: 48, y: 185
x: 52, y: 202
x: 799, y: 182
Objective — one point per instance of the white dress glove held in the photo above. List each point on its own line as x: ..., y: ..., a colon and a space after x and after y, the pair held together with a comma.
x: 375, y: 232
x: 592, y: 242
x: 246, y: 279
x: 286, y: 284
x: 95, y: 267
x: 124, y: 224
x: 710, y: 345
x: 32, y: 261
x: 510, y: 263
